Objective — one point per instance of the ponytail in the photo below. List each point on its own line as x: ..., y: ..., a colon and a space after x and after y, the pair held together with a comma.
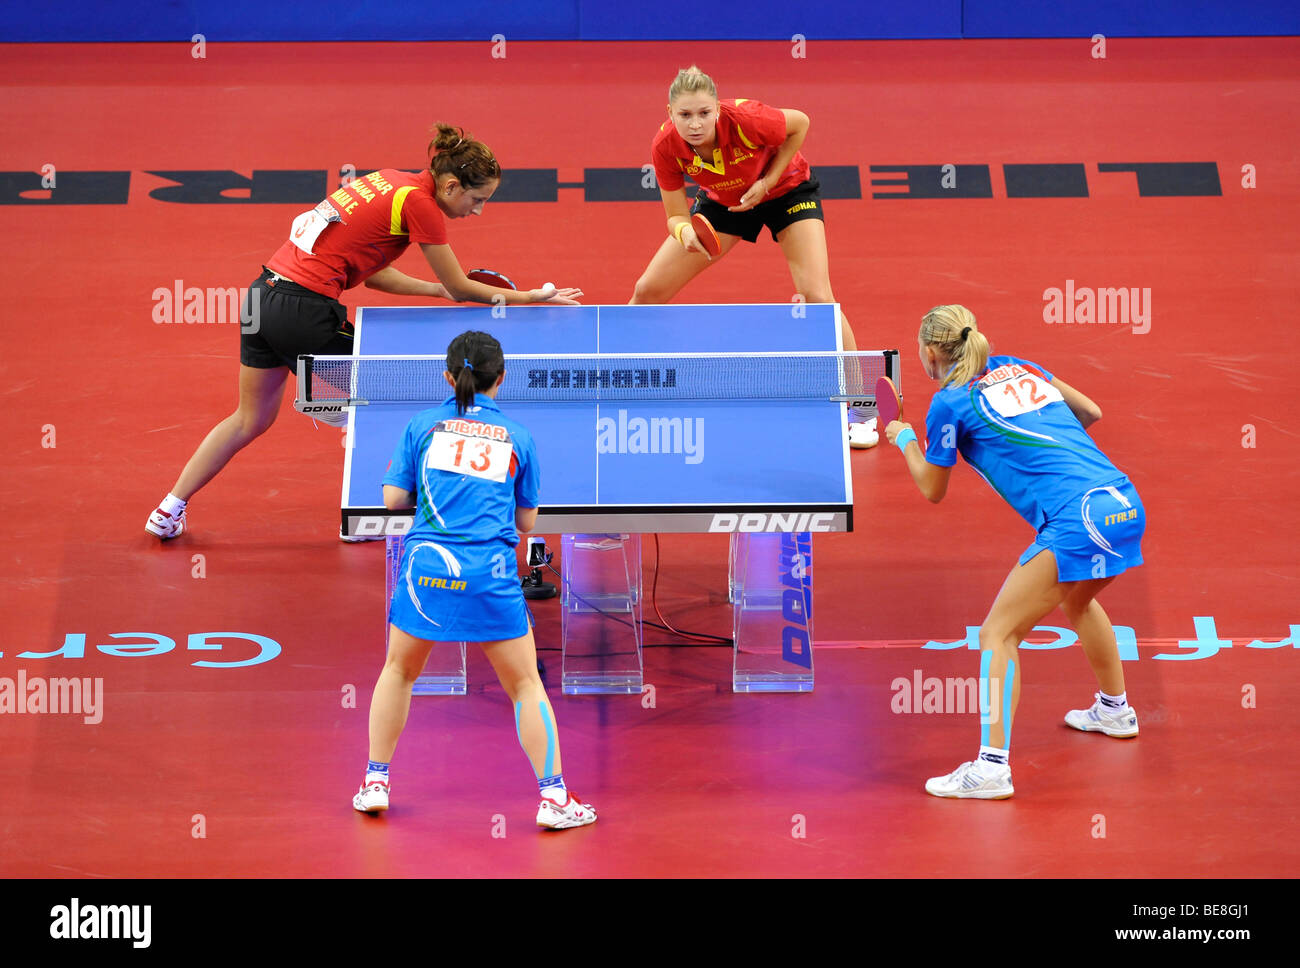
x: 953, y: 332
x: 475, y: 362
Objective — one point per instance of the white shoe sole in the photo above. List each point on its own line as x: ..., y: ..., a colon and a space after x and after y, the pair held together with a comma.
x: 164, y: 535
x: 551, y: 820
x: 974, y: 795
x: 567, y: 824
x: 1092, y: 727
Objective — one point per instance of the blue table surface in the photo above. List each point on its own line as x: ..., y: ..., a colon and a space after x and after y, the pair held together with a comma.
x: 722, y: 452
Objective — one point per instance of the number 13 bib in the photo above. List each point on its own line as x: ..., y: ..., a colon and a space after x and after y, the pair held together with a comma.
x: 471, y: 454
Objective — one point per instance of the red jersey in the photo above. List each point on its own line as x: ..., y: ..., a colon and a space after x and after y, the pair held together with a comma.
x: 359, y: 230
x: 748, y: 136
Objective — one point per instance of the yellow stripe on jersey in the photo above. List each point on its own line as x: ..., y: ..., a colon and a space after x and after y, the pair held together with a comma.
x: 395, y: 219
x: 749, y: 144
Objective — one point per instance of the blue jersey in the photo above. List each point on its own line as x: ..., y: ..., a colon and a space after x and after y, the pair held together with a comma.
x: 1017, y: 431
x: 468, y: 473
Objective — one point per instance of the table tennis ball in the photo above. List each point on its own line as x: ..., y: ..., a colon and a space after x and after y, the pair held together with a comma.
x: 548, y: 289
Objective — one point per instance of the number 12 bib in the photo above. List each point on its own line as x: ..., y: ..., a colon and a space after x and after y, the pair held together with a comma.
x: 1020, y: 392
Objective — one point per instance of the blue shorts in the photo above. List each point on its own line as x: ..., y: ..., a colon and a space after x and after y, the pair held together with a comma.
x: 1096, y: 535
x: 458, y: 593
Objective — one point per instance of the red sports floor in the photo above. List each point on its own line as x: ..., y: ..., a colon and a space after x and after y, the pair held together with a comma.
x: 199, y: 772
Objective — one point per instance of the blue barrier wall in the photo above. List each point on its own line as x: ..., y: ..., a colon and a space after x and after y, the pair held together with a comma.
x: 293, y: 20
x: 775, y: 20
x: 1130, y: 18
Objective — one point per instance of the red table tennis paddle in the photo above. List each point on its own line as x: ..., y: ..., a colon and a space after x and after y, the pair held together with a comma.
x: 704, y: 232
x: 889, y: 405
x: 490, y: 278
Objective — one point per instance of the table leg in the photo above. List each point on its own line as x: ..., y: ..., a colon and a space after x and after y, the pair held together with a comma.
x: 601, y: 614
x: 770, y: 584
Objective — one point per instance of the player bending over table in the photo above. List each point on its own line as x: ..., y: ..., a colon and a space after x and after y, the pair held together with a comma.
x: 745, y: 157
x: 349, y: 238
x: 1022, y: 429
x: 471, y: 473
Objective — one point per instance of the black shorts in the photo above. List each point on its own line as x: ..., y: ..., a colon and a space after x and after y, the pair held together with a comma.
x: 801, y: 202
x: 290, y: 320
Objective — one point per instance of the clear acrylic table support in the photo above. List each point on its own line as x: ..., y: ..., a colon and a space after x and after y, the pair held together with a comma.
x: 444, y: 673
x: 769, y: 583
x: 600, y: 602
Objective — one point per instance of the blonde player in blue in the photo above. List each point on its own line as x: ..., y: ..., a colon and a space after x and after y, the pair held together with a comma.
x: 1022, y: 429
x: 471, y: 474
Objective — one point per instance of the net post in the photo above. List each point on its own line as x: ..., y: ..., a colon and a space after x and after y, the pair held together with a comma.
x: 304, y: 379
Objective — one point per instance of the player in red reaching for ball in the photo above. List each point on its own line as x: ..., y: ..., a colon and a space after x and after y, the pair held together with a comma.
x: 351, y: 237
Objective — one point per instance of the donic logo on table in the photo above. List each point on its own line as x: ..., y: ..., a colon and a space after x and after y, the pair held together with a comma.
x: 796, y: 599
x: 651, y: 435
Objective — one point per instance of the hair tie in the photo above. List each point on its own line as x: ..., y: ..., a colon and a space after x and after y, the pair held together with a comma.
x: 468, y: 365
x: 965, y: 332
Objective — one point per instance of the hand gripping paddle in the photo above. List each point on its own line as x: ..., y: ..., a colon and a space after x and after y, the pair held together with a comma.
x: 704, y: 232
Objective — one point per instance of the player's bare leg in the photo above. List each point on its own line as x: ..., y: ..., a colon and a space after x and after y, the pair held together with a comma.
x: 1111, y: 713
x: 390, y: 704
x: 672, y: 268
x: 515, y: 663
x: 804, y: 245
x: 1096, y: 633
x: 391, y: 701
x: 1029, y: 592
x: 259, y: 404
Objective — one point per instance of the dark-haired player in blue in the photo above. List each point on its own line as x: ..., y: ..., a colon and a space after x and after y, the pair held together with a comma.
x: 471, y: 474
x: 1022, y: 429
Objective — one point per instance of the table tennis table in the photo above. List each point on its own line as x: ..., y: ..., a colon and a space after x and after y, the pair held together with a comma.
x: 769, y: 471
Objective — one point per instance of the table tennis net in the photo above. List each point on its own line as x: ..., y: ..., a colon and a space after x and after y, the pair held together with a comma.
x: 551, y: 378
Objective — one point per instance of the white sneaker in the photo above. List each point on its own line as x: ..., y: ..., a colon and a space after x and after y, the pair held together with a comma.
x: 976, y: 781
x: 558, y: 816
x: 1120, y: 723
x: 863, y: 435
x: 165, y: 526
x: 372, y: 797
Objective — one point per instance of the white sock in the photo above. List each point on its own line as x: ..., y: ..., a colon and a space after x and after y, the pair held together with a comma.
x: 1114, y: 703
x: 992, y: 757
x: 553, y: 787
x: 172, y: 505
